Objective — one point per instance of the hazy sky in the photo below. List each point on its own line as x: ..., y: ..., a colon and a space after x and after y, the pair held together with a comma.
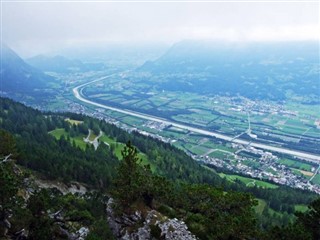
x: 40, y: 26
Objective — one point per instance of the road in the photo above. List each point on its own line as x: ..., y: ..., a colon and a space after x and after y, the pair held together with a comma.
x: 77, y: 91
x: 315, y: 173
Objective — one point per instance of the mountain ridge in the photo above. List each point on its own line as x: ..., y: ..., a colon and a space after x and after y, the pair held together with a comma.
x: 19, y: 77
x: 62, y: 64
x: 255, y: 70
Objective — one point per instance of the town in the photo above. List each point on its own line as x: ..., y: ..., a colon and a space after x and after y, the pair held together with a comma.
x: 244, y: 160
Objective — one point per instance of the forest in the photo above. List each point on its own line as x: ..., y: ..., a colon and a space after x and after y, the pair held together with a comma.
x: 209, y: 201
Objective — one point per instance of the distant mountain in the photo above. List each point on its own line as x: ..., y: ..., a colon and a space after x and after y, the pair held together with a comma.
x: 116, y: 55
x: 19, y: 77
x: 62, y: 64
x: 256, y: 70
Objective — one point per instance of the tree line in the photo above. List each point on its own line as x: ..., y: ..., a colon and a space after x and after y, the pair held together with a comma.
x: 209, y: 212
x: 62, y: 159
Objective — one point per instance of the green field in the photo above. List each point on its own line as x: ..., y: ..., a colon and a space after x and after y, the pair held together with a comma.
x: 270, y: 121
x: 210, y: 144
x: 199, y: 150
x: 260, y: 207
x: 59, y: 132
x: 295, y: 164
x: 132, y: 120
x: 248, y: 181
x: 220, y: 154
x: 301, y: 208
x: 252, y: 163
x: 118, y: 147
x: 316, y: 179
x: 173, y: 134
x: 105, y: 138
x: 79, y: 142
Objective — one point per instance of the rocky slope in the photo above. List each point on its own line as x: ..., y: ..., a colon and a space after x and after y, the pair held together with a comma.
x: 144, y: 225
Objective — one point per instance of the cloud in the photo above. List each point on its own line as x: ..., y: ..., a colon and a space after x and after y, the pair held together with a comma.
x: 285, y: 33
x: 49, y: 25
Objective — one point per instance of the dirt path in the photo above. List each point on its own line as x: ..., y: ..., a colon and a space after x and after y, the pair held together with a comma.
x: 95, y: 141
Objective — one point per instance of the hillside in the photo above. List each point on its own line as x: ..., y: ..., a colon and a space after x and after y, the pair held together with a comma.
x: 34, y: 208
x: 19, y: 77
x: 60, y: 141
x: 62, y: 64
x: 166, y: 180
x: 272, y: 71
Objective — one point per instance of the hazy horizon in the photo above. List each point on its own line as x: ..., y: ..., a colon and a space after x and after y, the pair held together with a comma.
x: 33, y: 28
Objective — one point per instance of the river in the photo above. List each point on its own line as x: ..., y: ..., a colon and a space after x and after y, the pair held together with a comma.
x: 77, y: 91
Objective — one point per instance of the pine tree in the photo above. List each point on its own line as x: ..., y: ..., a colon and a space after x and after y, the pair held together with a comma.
x: 131, y: 181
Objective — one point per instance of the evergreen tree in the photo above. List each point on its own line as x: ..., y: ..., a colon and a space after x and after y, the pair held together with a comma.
x: 311, y: 219
x: 8, y: 144
x: 129, y: 181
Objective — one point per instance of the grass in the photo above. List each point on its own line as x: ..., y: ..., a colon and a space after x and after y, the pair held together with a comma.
x: 212, y: 145
x: 76, y: 122
x: 199, y: 150
x: 251, y: 163
x: 296, y: 164
x: 79, y: 142
x: 205, y: 110
x: 301, y: 208
x: 313, y: 133
x: 132, y: 120
x: 296, y: 171
x: 265, y: 184
x: 303, y: 109
x: 59, y: 132
x: 173, y: 134
x: 248, y: 181
x: 260, y: 207
x: 105, y: 138
x: 92, y: 136
x: 118, y: 147
x: 306, y: 173
x: 144, y: 161
x: 262, y: 204
x: 219, y: 154
x: 176, y: 129
x: 316, y: 179
x: 178, y: 144
x: 294, y: 130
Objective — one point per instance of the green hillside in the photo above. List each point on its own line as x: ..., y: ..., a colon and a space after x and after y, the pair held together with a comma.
x: 160, y: 176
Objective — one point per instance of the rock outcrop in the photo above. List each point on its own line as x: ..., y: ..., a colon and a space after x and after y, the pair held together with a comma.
x: 150, y: 225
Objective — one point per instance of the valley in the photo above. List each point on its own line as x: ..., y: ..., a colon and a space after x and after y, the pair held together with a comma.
x: 269, y: 138
x: 154, y: 120
x: 261, y: 151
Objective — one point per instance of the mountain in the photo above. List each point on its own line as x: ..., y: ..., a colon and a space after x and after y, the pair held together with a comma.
x: 52, y: 188
x: 116, y: 55
x: 19, y: 77
x: 255, y: 70
x: 62, y: 64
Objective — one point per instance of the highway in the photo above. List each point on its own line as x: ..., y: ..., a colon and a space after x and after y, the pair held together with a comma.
x: 77, y: 91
